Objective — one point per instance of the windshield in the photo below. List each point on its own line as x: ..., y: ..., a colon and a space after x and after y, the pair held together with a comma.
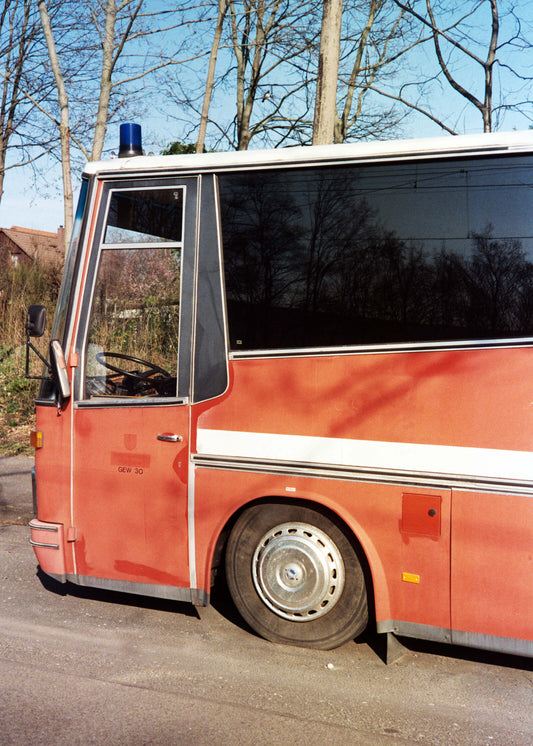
x: 58, y: 327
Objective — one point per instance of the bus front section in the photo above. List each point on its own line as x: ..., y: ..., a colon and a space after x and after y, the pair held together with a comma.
x: 52, y: 534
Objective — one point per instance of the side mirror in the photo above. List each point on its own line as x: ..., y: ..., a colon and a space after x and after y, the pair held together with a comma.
x: 35, y: 324
x: 36, y: 321
x: 59, y: 369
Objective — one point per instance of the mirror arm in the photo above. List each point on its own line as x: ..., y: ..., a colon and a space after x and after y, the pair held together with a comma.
x: 43, y: 359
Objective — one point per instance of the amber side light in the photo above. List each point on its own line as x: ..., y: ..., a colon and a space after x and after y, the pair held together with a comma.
x: 36, y: 439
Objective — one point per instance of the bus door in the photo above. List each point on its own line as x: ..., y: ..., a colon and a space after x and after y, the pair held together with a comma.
x: 131, y: 408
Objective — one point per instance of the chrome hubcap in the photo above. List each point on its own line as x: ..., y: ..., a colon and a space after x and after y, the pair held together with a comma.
x: 298, y: 572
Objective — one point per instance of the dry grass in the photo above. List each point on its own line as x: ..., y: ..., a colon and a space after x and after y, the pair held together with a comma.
x: 16, y: 403
x: 20, y: 286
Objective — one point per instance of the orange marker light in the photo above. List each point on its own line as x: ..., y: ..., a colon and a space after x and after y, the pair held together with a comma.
x: 36, y: 439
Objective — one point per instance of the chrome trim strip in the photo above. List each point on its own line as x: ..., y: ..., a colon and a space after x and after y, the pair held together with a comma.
x: 59, y: 578
x: 507, y: 645
x: 191, y: 523
x: 73, y: 465
x: 141, y: 244
x: 169, y: 592
x: 42, y: 545
x: 355, y: 474
x: 34, y: 490
x: 376, y: 349
x: 102, y: 402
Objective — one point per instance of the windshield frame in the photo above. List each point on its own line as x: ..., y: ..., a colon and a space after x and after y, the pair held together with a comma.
x: 66, y: 292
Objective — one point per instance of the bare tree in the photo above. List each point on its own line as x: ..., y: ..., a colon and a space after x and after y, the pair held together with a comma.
x: 252, y: 28
x: 470, y: 43
x: 276, y: 67
x: 105, y: 23
x: 210, y: 82
x: 22, y: 86
x: 98, y: 68
x: 487, y: 63
x: 111, y: 51
x: 269, y: 52
x: 262, y: 46
x: 64, y: 129
x: 376, y: 38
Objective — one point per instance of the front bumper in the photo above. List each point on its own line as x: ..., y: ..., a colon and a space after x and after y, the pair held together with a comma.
x: 47, y: 540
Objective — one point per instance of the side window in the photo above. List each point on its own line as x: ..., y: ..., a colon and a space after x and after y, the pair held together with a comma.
x: 133, y: 337
x: 379, y: 253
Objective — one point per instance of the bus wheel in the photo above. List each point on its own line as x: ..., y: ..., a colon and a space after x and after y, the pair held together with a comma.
x: 295, y: 577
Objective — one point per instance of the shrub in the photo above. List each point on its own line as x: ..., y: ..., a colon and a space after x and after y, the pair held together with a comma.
x: 20, y: 286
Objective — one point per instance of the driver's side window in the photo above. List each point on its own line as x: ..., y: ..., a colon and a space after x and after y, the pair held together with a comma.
x: 132, y: 344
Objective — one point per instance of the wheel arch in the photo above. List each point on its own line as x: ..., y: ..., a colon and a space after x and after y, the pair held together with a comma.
x: 377, y: 589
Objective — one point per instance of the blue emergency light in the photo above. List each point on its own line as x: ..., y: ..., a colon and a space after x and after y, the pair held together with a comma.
x: 130, y: 140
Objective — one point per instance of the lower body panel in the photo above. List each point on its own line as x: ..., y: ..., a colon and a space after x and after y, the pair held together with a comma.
x: 457, y: 637
x: 47, y: 540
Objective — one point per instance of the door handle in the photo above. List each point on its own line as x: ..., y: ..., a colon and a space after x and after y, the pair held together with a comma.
x: 170, y: 438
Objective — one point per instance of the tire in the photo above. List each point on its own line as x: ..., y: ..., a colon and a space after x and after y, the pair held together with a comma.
x: 295, y: 577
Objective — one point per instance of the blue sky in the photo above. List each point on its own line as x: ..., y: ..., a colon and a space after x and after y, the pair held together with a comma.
x: 29, y: 211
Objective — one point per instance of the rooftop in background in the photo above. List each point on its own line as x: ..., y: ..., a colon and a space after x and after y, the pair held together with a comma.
x: 29, y: 245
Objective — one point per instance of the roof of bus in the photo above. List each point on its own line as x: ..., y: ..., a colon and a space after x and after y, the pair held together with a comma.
x: 428, y: 147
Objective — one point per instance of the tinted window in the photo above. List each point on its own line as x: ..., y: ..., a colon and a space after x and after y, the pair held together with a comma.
x: 379, y: 253
x: 148, y: 216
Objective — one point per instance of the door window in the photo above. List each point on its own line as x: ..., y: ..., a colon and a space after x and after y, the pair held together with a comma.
x: 133, y: 336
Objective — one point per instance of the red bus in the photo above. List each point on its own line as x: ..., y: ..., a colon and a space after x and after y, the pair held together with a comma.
x: 309, y: 371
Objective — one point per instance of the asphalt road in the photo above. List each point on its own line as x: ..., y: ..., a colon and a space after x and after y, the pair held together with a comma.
x: 16, y: 505
x: 84, y: 667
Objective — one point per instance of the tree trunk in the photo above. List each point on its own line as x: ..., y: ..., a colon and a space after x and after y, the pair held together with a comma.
x: 64, y: 130
x: 328, y: 67
x: 105, y: 80
x: 489, y: 67
x: 485, y: 106
x: 200, y: 143
x: 341, y: 123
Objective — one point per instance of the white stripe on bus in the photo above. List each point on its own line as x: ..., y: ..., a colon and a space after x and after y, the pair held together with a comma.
x: 489, y: 463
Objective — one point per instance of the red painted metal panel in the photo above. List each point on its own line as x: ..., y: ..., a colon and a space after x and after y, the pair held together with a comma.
x: 492, y: 564
x: 52, y: 471
x: 469, y: 398
x: 463, y: 398
x: 421, y: 514
x: 131, y: 494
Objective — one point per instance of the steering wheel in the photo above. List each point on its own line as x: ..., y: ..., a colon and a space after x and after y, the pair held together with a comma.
x: 146, y: 377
